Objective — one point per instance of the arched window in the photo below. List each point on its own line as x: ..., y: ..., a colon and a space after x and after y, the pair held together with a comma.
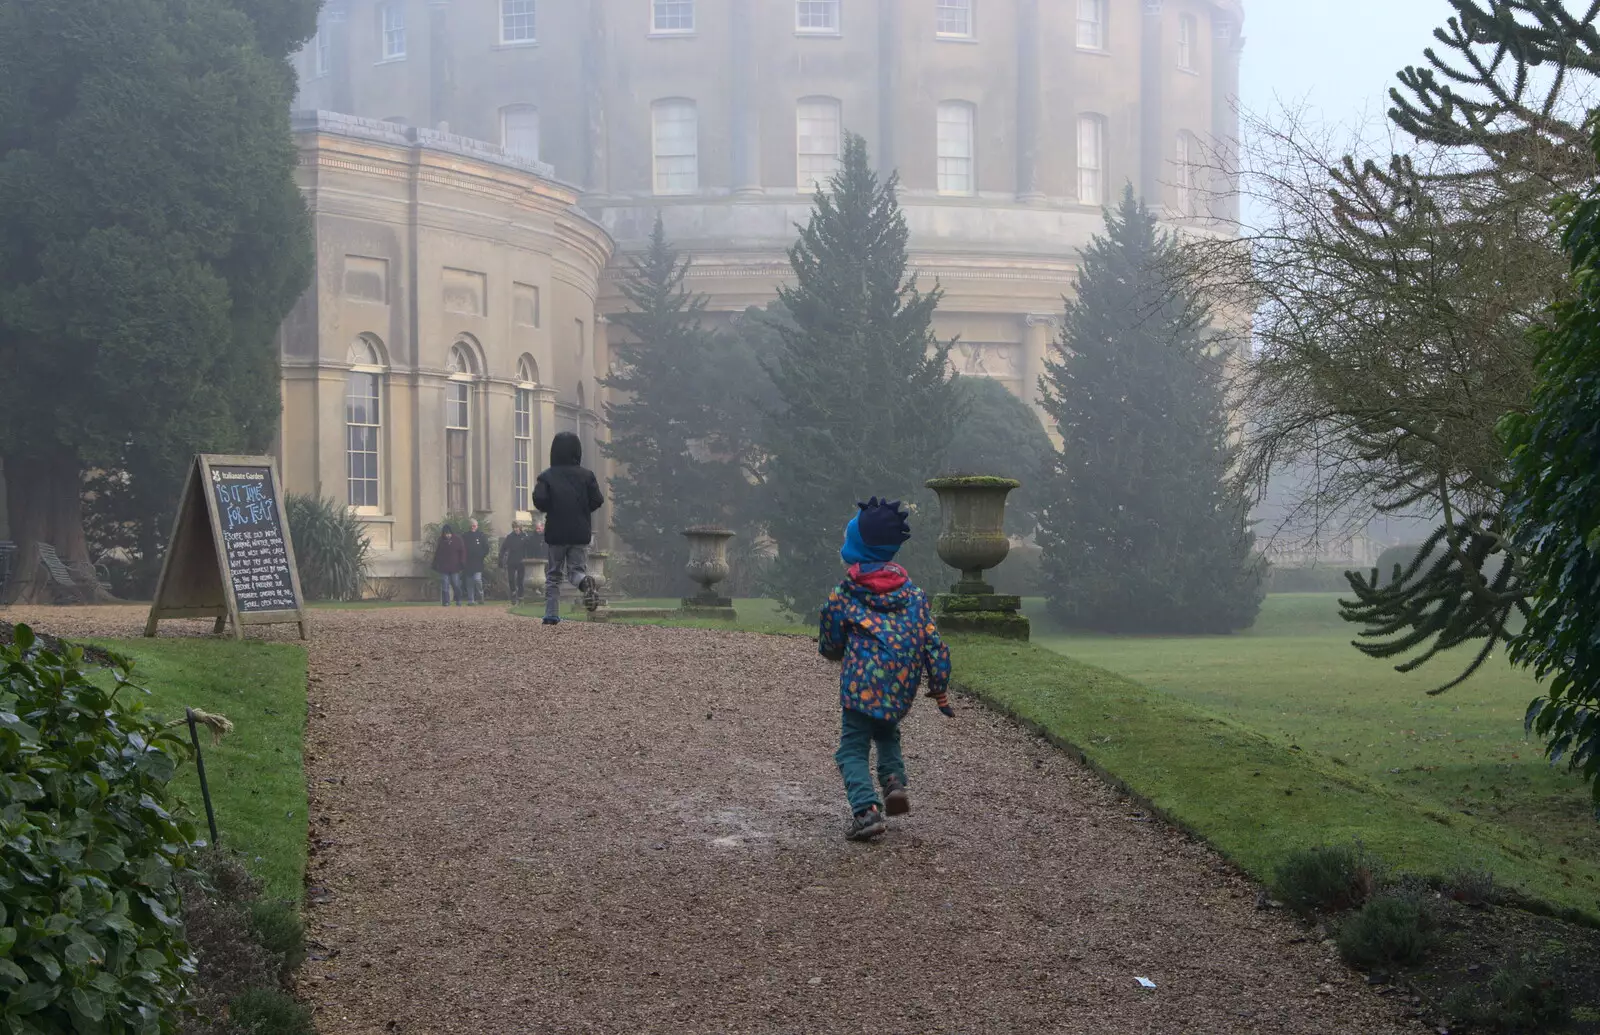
x: 955, y: 145
x: 817, y: 142
x: 1092, y: 159
x: 519, y: 130
x: 675, y: 135
x: 363, y: 421
x: 458, y: 429
x: 524, y: 433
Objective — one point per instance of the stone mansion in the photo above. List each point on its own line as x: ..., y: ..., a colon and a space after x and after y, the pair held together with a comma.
x: 475, y: 168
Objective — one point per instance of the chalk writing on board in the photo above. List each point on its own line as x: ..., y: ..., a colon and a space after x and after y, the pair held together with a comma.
x: 258, y: 557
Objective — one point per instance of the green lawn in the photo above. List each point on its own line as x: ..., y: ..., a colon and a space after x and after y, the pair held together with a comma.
x: 1296, y: 679
x: 256, y: 774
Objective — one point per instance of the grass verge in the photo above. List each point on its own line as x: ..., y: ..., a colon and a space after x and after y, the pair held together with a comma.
x: 257, y: 773
x: 1252, y: 798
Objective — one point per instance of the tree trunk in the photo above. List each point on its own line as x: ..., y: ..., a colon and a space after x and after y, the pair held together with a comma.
x: 44, y: 504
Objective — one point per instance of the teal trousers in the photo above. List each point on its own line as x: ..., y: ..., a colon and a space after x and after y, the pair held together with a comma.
x: 857, y: 735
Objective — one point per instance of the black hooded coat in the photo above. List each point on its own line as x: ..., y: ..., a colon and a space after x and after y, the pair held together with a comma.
x: 567, y: 494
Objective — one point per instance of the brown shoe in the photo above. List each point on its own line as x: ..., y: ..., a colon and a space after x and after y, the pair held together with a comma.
x: 866, y: 825
x: 896, y: 802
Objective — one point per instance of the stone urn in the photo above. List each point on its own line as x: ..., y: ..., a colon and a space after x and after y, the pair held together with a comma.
x: 707, y: 566
x: 972, y: 540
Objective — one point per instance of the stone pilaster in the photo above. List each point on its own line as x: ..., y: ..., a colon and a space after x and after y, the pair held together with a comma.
x: 1029, y: 105
x: 336, y: 19
x: 1227, y: 46
x: 888, y: 82
x: 441, y: 66
x: 745, y: 131
x: 1152, y: 127
x: 597, y: 171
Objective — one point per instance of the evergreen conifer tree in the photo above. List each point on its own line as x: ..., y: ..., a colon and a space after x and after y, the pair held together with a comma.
x: 684, y: 425
x: 866, y: 403
x: 1145, y: 529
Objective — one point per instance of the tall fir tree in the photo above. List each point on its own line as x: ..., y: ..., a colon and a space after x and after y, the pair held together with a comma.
x: 685, y: 424
x: 1145, y: 529
x: 866, y: 403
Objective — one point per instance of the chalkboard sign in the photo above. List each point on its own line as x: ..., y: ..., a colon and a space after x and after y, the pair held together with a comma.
x: 231, y: 555
x: 253, y: 539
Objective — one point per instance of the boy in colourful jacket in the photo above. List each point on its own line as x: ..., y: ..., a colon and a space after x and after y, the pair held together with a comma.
x: 881, y: 626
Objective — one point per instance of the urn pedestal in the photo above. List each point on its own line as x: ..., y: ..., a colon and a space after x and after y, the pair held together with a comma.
x: 707, y: 566
x: 972, y: 540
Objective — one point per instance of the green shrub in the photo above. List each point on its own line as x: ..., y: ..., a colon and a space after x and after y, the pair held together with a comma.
x: 1472, y: 888
x: 90, y: 849
x: 278, y: 927
x: 1307, y: 580
x: 330, y: 548
x: 1517, y: 999
x: 1325, y: 879
x: 269, y: 1011
x: 1394, y: 929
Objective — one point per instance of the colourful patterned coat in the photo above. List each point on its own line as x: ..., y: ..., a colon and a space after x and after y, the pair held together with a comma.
x: 881, y: 626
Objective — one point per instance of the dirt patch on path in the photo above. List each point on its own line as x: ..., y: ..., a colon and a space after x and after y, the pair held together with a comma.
x: 599, y: 829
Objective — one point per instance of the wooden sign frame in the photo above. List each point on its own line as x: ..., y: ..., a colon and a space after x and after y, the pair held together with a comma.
x: 196, y: 578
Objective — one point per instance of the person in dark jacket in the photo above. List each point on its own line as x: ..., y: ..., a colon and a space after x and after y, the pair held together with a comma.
x: 477, y: 545
x: 514, y: 550
x: 568, y: 495
x: 881, y: 626
x: 449, y: 558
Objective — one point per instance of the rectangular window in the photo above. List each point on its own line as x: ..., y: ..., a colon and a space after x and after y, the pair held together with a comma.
x: 954, y: 18
x: 1092, y: 24
x: 362, y: 425
x: 517, y: 21
x: 458, y: 423
x: 676, y: 132
x: 817, y: 132
x: 1186, y: 39
x: 321, y: 52
x: 519, y: 130
x: 522, y: 454
x: 1188, y: 176
x: 955, y: 148
x: 392, y: 27
x: 672, y: 16
x: 820, y: 16
x: 1091, y: 160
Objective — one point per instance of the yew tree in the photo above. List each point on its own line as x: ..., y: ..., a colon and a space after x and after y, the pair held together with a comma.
x: 152, y: 239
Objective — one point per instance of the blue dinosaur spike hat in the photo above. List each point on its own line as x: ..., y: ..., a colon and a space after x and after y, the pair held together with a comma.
x: 876, y: 533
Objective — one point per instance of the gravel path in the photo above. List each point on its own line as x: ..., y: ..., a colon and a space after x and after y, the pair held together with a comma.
x: 623, y: 830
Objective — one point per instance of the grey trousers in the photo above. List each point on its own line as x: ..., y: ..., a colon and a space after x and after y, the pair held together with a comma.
x: 567, y: 564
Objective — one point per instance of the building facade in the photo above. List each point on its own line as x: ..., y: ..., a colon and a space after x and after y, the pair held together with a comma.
x: 1011, y: 123
x: 450, y: 333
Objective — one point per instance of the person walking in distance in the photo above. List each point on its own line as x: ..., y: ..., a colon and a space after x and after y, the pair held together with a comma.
x: 449, y: 558
x: 477, y: 545
x: 880, y: 625
x: 514, y: 550
x: 567, y: 494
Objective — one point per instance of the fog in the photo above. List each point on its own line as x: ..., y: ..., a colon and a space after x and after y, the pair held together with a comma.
x: 1337, y: 57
